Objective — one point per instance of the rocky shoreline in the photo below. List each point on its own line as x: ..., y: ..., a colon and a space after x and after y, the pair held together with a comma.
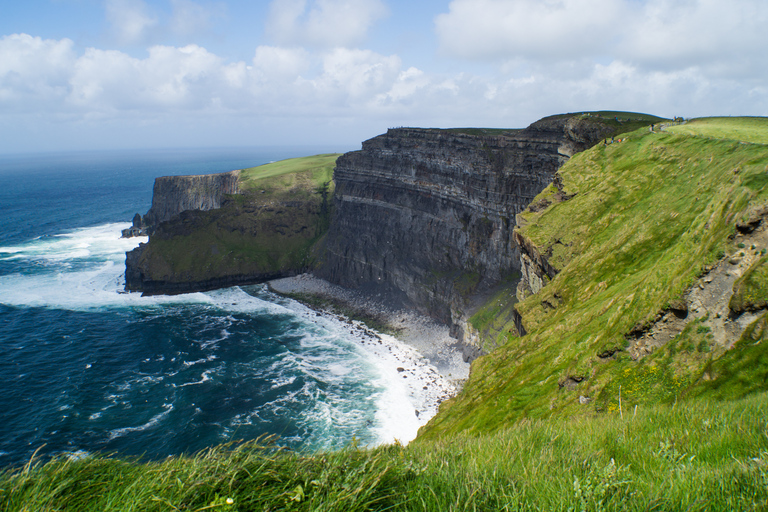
x: 430, y: 339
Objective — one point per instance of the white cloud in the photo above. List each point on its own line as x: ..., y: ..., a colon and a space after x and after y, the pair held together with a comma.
x: 549, y: 29
x: 656, y: 34
x: 667, y: 58
x: 34, y: 70
x: 322, y: 23
x: 718, y: 35
x: 407, y: 86
x: 340, y: 83
x: 276, y: 63
x: 106, y: 82
x: 131, y: 20
x: 353, y: 75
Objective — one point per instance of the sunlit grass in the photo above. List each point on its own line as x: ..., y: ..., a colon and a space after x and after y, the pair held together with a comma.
x: 317, y: 169
x: 741, y: 129
x: 700, y: 455
x: 645, y: 217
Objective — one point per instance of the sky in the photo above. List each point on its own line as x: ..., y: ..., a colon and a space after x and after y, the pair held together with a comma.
x: 133, y: 74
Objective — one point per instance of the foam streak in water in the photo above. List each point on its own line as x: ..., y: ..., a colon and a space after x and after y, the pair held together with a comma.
x: 234, y: 362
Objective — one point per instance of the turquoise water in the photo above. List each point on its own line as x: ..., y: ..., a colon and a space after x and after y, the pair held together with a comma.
x: 87, y: 367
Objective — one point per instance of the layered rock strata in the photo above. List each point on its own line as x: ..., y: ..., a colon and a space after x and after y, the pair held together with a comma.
x: 428, y: 215
x: 215, y: 235
x: 172, y: 195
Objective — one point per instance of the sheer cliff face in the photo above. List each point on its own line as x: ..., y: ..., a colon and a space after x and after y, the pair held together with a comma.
x: 428, y: 214
x: 174, y: 194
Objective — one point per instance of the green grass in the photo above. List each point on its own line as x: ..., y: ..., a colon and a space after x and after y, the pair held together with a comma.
x: 741, y: 370
x: 268, y: 229
x: 621, y: 122
x: 613, y: 115
x: 494, y: 321
x: 695, y: 456
x: 647, y: 215
x: 317, y: 169
x: 741, y: 129
x: 749, y: 291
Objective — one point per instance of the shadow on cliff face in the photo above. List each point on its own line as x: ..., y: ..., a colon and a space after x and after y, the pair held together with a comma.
x: 428, y: 214
x: 420, y: 218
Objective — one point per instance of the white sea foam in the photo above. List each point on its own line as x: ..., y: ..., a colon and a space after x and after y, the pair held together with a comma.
x: 285, y: 381
x: 205, y: 377
x: 119, y: 432
x: 395, y: 368
x: 84, y: 270
x: 80, y: 270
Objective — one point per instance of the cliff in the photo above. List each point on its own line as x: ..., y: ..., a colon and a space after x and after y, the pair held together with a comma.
x: 422, y: 218
x: 426, y: 216
x: 645, y: 268
x: 172, y: 195
x: 235, y: 228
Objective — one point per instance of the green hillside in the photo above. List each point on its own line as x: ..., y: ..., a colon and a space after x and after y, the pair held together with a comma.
x: 630, y: 227
x: 697, y: 456
x: 306, y: 174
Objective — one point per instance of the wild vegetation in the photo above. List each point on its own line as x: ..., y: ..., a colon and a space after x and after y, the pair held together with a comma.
x: 630, y: 226
x: 697, y: 456
x: 268, y: 229
x: 562, y: 418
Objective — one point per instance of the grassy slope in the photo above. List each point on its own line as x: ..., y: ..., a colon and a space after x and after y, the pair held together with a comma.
x: 269, y: 227
x: 696, y: 456
x: 313, y: 171
x: 647, y: 216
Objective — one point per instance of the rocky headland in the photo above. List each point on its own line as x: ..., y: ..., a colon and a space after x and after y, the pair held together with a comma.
x: 235, y: 228
x: 421, y: 219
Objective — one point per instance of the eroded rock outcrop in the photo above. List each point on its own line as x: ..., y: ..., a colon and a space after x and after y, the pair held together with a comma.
x: 428, y: 215
x: 208, y: 232
x: 172, y: 195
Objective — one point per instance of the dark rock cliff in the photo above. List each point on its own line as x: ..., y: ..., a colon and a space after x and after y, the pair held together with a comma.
x: 172, y: 195
x: 427, y: 215
x: 419, y: 217
x: 208, y: 232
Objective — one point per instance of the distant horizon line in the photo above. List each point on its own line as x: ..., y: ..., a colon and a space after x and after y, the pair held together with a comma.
x: 324, y: 148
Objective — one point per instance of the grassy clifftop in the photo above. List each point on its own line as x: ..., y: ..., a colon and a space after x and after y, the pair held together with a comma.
x: 303, y: 175
x: 266, y: 230
x: 630, y: 227
x: 698, y: 456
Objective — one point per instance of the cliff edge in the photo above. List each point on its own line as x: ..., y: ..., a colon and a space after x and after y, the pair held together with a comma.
x: 646, y: 278
x: 426, y: 216
x: 240, y: 227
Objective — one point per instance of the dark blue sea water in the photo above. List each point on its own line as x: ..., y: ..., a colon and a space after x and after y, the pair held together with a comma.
x: 85, y: 367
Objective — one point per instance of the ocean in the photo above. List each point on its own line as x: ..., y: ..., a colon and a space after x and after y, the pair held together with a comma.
x: 89, y: 368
